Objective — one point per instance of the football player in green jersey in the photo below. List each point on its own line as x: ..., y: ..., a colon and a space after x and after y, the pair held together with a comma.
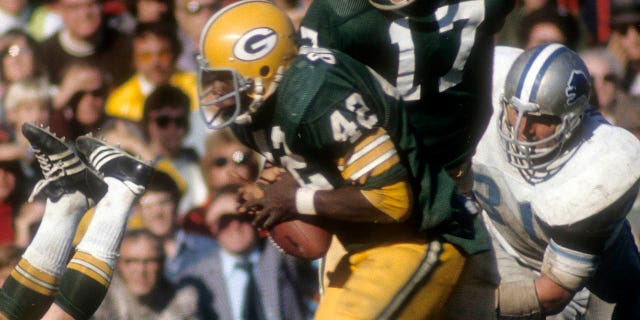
x: 438, y: 54
x: 340, y: 130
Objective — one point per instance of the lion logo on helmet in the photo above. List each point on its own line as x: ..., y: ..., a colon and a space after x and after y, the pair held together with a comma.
x: 577, y: 87
x: 255, y: 44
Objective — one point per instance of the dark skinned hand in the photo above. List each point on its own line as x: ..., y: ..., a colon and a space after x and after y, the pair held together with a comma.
x: 277, y: 205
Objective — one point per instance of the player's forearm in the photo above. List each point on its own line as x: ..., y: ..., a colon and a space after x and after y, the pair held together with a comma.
x: 531, y: 299
x: 347, y: 204
x: 552, y: 297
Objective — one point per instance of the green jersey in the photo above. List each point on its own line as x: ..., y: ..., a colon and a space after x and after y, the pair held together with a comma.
x: 438, y: 54
x: 324, y: 110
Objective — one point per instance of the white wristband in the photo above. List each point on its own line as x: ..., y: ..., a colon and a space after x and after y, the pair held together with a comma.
x: 304, y: 201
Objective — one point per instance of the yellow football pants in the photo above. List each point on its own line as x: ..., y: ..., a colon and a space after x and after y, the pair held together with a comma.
x: 395, y: 281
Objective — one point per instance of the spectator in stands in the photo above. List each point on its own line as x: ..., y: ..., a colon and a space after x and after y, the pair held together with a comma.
x: 139, y: 290
x: 35, y: 17
x: 191, y: 16
x: 624, y: 42
x: 10, y: 177
x: 79, y: 102
x: 13, y: 14
x: 281, y: 281
x: 157, y: 208
x: 85, y: 37
x: 152, y: 11
x: 225, y: 161
x: 165, y: 123
x: 509, y: 34
x: 26, y: 101
x: 548, y: 25
x: 155, y: 50
x: 606, y: 74
x: 20, y: 59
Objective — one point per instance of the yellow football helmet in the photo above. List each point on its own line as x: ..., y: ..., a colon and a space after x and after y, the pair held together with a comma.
x: 244, y: 50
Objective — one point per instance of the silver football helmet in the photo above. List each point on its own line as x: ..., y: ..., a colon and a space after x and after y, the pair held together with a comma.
x: 549, y: 80
x: 391, y: 4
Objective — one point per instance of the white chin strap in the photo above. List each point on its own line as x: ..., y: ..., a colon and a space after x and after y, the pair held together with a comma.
x: 259, y: 96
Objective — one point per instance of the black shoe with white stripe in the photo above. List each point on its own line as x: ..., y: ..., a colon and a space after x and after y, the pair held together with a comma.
x: 61, y: 167
x: 114, y: 162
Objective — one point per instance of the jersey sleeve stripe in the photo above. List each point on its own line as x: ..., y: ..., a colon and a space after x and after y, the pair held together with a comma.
x: 375, y: 155
x: 387, y: 156
x: 367, y: 145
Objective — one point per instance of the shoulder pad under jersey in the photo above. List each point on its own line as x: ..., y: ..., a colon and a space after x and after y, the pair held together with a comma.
x: 604, y: 168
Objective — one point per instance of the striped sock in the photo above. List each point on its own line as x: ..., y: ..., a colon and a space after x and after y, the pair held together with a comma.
x: 33, y: 283
x: 86, y: 280
x: 84, y: 285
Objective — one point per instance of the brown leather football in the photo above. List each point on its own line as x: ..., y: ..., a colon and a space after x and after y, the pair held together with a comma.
x: 303, y: 239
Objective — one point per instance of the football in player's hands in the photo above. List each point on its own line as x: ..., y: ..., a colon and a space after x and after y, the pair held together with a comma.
x: 303, y: 237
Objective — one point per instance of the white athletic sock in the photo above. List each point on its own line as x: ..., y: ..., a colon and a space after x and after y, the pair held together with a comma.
x: 103, y: 236
x: 49, y: 250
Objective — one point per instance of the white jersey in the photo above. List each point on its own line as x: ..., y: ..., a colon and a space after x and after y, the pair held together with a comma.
x: 579, y: 205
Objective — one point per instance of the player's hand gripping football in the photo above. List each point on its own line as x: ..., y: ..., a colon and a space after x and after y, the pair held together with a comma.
x: 271, y: 200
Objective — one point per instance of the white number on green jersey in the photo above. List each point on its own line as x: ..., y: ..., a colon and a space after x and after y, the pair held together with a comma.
x: 346, y: 130
x: 473, y: 14
x: 315, y: 53
x: 295, y: 163
x: 400, y: 35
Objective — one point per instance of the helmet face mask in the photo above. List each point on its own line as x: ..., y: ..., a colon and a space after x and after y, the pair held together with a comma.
x: 548, y: 85
x: 244, y: 49
x: 525, y: 154
x: 220, y: 94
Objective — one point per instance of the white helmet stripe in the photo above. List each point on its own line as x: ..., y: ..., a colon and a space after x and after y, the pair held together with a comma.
x: 534, y: 71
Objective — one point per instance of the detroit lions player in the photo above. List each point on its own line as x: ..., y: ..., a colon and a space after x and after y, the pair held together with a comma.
x: 556, y: 181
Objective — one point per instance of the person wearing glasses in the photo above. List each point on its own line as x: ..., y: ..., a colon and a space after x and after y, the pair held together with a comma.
x: 165, y: 123
x: 247, y: 277
x: 139, y: 290
x: 78, y: 105
x: 226, y: 161
x: 19, y: 59
x: 157, y: 210
x: 155, y: 50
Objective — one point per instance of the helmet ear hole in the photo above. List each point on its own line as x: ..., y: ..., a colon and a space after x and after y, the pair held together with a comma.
x: 264, y: 71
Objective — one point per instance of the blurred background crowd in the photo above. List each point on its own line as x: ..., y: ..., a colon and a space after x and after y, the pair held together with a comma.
x: 126, y: 70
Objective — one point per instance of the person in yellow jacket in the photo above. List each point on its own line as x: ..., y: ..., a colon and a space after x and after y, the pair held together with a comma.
x: 155, y: 50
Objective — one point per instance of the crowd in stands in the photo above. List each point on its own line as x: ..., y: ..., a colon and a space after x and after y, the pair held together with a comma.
x: 126, y: 70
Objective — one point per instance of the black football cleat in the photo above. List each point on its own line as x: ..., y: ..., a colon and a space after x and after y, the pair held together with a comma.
x: 63, y: 171
x: 114, y: 162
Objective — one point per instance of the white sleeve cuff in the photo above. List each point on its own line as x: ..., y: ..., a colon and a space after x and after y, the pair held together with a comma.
x: 568, y: 268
